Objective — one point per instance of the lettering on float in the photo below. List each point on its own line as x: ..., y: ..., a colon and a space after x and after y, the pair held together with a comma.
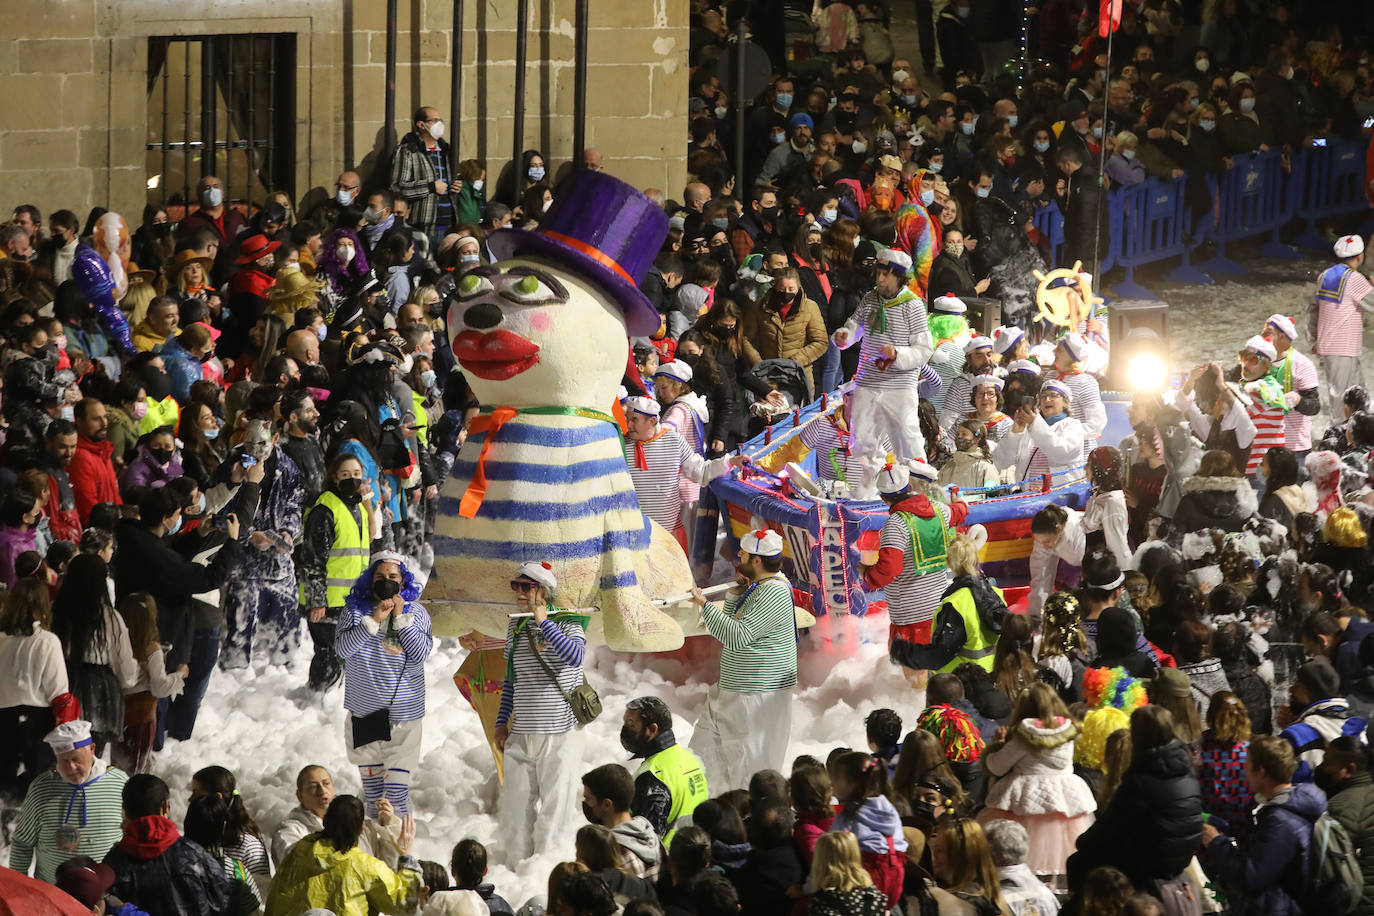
x: 834, y: 582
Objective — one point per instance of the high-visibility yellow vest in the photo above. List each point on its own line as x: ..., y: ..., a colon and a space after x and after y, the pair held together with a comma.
x: 421, y: 419
x: 679, y: 770
x: 166, y: 412
x: 348, y: 555
x: 979, y: 645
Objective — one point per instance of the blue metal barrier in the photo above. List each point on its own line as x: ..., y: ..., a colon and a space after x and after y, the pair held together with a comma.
x: 1151, y: 220
x: 1331, y: 181
x: 1254, y: 199
x: 1049, y: 222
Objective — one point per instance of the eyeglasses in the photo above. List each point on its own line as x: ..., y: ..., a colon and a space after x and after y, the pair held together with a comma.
x: 522, y: 586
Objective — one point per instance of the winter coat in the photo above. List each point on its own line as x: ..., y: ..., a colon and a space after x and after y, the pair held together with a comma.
x: 146, y: 471
x: 413, y: 176
x: 1353, y: 805
x: 1270, y: 874
x: 873, y: 823
x: 123, y: 432
x: 93, y: 476
x: 351, y: 883
x: 1226, y: 790
x: 1215, y: 502
x: 165, y: 873
x: 951, y: 276
x: 183, y: 369
x: 625, y: 886
x: 1315, y: 727
x: 806, y: 832
x: 1119, y: 644
x: 454, y: 903
x: 1253, y: 691
x: 147, y: 563
x: 949, y: 634
x: 861, y: 901
x: 638, y: 840
x: 968, y: 470
x: 1206, y: 678
x: 1153, y: 824
x: 765, y: 878
x: 1034, y: 771
x: 799, y: 337
x: 1284, y: 503
x: 1081, y: 217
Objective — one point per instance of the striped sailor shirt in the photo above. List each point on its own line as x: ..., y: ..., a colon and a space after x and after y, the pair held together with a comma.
x: 1269, y: 433
x: 958, y: 401
x: 948, y: 370
x: 95, y: 809
x: 834, y: 460
x: 911, y: 597
x: 758, y: 631
x: 1296, y: 373
x: 530, y: 702
x: 1340, y: 325
x: 669, y: 459
x: 903, y: 325
x: 374, y: 674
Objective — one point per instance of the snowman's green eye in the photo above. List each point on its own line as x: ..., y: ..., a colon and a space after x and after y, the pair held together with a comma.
x: 530, y: 287
x: 472, y: 285
x: 527, y: 286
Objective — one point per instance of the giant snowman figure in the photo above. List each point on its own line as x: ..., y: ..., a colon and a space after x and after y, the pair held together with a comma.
x: 542, y: 338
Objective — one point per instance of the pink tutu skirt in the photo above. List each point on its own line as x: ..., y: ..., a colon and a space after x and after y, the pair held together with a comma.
x: 1052, y: 836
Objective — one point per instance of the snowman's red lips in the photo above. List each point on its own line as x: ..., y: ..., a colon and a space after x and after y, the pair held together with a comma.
x: 496, y: 355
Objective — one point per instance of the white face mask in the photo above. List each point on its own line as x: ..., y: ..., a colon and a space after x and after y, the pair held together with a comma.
x: 1247, y: 104
x: 1013, y: 120
x: 937, y: 167
x: 859, y: 147
x: 829, y: 216
x: 343, y: 197
x: 721, y: 112
x: 436, y: 130
x: 1128, y: 154
x: 477, y: 185
x: 536, y: 173
x: 1202, y: 64
x: 212, y: 197
x: 1041, y: 146
x: 345, y: 253
x: 899, y: 77
x: 966, y: 128
x: 928, y: 197
x: 982, y: 192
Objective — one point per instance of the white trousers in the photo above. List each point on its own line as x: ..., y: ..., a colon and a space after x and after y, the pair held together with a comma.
x: 542, y: 794
x: 882, y: 420
x: 1341, y: 372
x: 739, y: 734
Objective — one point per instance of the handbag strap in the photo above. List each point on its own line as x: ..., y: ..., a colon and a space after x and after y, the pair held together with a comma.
x: 404, y: 664
x: 553, y: 678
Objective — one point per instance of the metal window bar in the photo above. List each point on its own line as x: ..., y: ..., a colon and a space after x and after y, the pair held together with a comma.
x: 265, y: 117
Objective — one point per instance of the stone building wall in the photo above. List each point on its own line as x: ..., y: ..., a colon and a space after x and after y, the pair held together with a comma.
x: 75, y: 100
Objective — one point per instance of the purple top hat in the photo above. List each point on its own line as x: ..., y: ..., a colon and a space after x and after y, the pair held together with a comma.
x: 602, y: 228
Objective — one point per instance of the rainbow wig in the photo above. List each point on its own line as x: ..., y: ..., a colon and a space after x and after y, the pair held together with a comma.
x: 1113, y: 687
x: 957, y: 732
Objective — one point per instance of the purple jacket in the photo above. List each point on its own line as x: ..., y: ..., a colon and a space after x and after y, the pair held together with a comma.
x: 145, y: 471
x: 13, y: 542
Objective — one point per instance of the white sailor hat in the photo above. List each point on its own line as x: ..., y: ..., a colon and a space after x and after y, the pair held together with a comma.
x: 1076, y: 345
x: 762, y: 543
x: 895, y: 260
x: 69, y: 736
x: 676, y: 370
x: 1056, y: 385
x: 949, y: 305
x: 923, y: 469
x: 1347, y: 246
x: 541, y: 573
x: 978, y: 343
x: 988, y: 379
x: 1004, y: 340
x: 642, y: 405
x: 1024, y: 365
x: 1284, y: 325
x: 1262, y: 347
x: 893, y: 478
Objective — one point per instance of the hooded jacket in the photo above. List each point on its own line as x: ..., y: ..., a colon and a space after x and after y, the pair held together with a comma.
x: 1118, y: 644
x: 1151, y: 827
x: 1270, y: 874
x: 949, y: 634
x: 873, y: 823
x: 93, y: 476
x: 147, y: 471
x: 351, y: 883
x: 1215, y: 502
x: 167, y: 874
x: 1353, y: 805
x: 638, y: 837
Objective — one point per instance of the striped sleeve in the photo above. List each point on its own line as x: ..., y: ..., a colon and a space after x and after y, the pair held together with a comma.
x: 570, y: 644
x: 761, y: 614
x: 759, y: 645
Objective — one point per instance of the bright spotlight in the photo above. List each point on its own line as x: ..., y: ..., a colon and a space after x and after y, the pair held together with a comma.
x: 1146, y: 372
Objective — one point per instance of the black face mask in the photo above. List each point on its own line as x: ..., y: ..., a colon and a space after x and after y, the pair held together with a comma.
x: 1326, y: 782
x: 161, y: 230
x: 156, y: 383
x: 769, y: 213
x: 589, y: 814
x: 782, y: 299
x: 349, y: 489
x: 816, y: 250
x: 383, y: 589
x: 632, y: 741
x: 161, y: 455
x: 923, y: 811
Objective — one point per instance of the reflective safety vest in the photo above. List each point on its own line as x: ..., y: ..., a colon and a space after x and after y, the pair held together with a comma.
x: 679, y: 770
x: 979, y: 645
x: 347, y: 556
x: 421, y: 419
x: 166, y: 412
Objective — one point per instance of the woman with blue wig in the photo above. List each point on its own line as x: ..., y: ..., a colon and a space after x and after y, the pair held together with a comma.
x: 384, y: 637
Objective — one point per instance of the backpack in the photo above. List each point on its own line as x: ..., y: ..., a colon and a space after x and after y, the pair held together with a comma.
x: 1337, y: 882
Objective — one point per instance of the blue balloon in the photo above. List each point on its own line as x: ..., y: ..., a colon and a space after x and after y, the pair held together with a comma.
x: 92, y: 274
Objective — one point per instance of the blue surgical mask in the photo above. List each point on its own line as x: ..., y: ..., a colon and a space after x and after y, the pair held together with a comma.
x: 784, y: 99
x: 68, y: 413
x: 1128, y: 154
x: 536, y: 173
x: 829, y: 216
x: 721, y: 222
x: 1207, y: 126
x: 1041, y: 146
x: 982, y: 192
x: 176, y: 527
x: 469, y: 260
x: 937, y: 167
x: 1013, y: 120
x: 1097, y: 133
x: 1247, y: 104
x: 322, y: 331
x: 343, y: 197
x: 910, y: 99
x: 963, y: 12
x: 927, y: 197
x: 212, y: 197
x: 966, y: 128
x: 428, y: 378
x: 776, y: 137
x: 212, y: 433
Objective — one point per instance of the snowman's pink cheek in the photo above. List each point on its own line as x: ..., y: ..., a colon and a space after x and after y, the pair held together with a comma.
x: 540, y: 321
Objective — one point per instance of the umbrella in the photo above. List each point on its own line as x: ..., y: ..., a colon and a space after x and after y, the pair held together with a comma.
x: 21, y: 895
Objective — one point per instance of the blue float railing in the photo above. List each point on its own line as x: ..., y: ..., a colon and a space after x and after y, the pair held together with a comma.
x: 1151, y: 219
x: 1331, y: 181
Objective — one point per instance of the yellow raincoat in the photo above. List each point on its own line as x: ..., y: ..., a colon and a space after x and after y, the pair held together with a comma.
x: 352, y: 883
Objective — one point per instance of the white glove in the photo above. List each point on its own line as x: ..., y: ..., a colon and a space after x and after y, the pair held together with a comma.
x: 1291, y: 399
x: 939, y: 357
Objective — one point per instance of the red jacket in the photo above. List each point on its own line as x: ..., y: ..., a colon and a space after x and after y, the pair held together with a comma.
x: 64, y: 525
x: 93, y: 476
